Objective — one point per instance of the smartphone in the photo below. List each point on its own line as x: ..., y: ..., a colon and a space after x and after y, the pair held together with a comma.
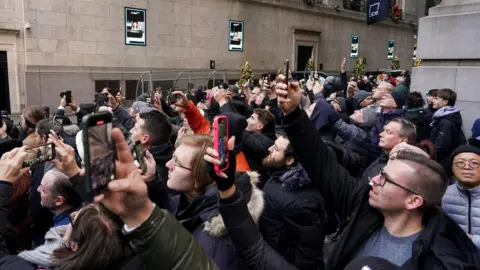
x: 57, y: 125
x: 140, y: 156
x: 173, y: 98
x: 39, y: 154
x: 99, y: 152
x: 220, y: 142
x: 287, y: 69
x: 68, y: 97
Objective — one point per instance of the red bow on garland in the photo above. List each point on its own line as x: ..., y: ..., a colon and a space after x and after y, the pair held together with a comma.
x: 396, y: 10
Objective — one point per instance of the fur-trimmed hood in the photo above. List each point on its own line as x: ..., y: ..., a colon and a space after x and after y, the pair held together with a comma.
x: 247, y: 183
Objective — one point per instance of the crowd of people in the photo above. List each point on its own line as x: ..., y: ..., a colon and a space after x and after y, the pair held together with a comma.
x: 324, y: 173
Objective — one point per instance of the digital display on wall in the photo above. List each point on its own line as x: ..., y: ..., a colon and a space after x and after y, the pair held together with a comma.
x: 135, y: 26
x: 235, y: 36
x: 354, y: 46
x: 391, y: 50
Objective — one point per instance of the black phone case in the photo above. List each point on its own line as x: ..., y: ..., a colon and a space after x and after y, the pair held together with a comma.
x: 89, y: 121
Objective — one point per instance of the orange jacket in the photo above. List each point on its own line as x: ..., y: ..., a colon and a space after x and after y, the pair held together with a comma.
x: 242, y: 164
x: 196, y: 121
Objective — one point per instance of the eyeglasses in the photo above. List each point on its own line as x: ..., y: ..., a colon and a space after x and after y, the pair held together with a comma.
x: 384, y: 179
x: 175, y: 164
x: 471, y: 163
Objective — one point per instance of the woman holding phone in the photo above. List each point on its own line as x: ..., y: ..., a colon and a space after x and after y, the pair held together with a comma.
x: 196, y: 206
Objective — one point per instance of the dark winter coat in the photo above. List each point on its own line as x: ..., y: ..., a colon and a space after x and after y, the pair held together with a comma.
x: 446, y: 133
x: 122, y: 115
x: 440, y: 245
x: 421, y: 118
x: 202, y: 219
x: 374, y: 168
x: 246, y: 237
x: 292, y: 222
x: 162, y: 153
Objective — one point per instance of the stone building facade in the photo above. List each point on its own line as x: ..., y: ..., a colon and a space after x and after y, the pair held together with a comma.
x: 79, y: 45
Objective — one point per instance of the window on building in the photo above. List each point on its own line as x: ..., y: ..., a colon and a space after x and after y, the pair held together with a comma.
x: 114, y: 86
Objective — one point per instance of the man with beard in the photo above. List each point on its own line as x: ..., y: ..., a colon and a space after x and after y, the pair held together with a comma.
x: 293, y: 218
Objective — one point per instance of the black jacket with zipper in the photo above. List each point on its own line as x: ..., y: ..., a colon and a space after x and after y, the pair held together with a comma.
x: 441, y: 244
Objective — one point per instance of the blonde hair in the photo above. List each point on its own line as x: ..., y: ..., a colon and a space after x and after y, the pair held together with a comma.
x: 199, y: 166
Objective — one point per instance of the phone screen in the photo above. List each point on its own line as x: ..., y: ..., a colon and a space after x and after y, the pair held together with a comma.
x: 101, y: 155
x: 39, y: 154
x: 68, y: 97
x: 140, y: 156
x: 222, y: 143
x: 172, y: 99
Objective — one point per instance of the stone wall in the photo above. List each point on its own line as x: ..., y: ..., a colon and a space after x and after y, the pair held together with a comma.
x: 81, y: 39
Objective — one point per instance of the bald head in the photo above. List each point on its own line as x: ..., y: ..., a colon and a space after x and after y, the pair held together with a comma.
x: 57, y: 191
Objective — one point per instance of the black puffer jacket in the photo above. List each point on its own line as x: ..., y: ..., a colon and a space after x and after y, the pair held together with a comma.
x: 292, y: 222
x: 440, y: 245
x: 421, y: 118
x: 446, y: 133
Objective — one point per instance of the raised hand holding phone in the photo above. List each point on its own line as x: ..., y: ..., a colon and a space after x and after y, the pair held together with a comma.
x: 127, y: 195
x: 226, y: 179
x: 289, y: 95
x: 11, y: 165
x: 220, y: 138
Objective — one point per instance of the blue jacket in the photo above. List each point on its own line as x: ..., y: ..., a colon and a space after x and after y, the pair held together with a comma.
x: 463, y: 206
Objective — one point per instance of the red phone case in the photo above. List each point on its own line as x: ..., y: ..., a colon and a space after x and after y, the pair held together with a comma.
x: 216, y: 139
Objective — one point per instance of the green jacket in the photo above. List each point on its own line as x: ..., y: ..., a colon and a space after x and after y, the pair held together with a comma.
x: 401, y: 88
x: 163, y: 244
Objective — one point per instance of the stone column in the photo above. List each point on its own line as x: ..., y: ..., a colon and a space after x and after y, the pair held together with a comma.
x: 447, y: 43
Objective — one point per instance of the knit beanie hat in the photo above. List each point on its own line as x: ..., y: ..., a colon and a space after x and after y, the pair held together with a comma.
x: 371, y: 263
x: 329, y: 80
x: 146, y: 109
x: 476, y: 129
x: 361, y: 95
x: 342, y: 102
x: 466, y: 148
x: 369, y: 115
x: 399, y: 99
x: 138, y: 105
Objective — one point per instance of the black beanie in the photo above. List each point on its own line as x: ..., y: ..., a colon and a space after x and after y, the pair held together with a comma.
x: 466, y: 148
x: 371, y: 263
x: 399, y: 99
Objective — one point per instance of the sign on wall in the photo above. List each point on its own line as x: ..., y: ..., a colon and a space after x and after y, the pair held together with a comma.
x: 377, y: 11
x: 135, y: 26
x: 354, y: 46
x: 235, y: 36
x: 391, y: 49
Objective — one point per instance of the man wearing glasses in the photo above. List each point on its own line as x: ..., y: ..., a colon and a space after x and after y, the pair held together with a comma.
x: 397, y: 218
x: 462, y: 199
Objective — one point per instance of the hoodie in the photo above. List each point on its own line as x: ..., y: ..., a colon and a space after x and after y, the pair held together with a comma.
x: 446, y: 133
